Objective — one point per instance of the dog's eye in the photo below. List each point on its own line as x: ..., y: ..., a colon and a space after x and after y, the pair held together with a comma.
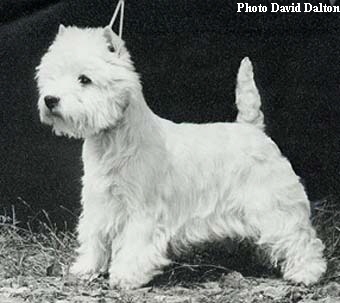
x: 84, y: 80
x: 111, y: 48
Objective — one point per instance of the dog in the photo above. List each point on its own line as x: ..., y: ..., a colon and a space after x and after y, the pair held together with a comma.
x: 149, y: 183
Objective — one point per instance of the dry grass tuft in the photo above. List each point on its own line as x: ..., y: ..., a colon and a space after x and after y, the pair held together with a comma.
x: 327, y: 222
x: 24, y: 253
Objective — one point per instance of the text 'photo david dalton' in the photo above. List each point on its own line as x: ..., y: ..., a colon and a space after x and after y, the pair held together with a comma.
x: 292, y: 8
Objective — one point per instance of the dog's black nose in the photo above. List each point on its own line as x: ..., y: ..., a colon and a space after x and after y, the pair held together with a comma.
x: 51, y: 102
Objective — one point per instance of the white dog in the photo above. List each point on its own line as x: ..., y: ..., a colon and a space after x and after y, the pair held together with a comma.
x: 149, y: 182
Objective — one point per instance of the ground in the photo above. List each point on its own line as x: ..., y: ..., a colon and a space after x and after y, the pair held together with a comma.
x: 34, y: 268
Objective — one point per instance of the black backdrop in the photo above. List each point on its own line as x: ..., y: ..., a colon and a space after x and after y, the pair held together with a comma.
x: 187, y: 52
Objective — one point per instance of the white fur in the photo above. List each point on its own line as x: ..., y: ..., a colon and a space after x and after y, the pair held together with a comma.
x: 149, y: 182
x: 248, y: 99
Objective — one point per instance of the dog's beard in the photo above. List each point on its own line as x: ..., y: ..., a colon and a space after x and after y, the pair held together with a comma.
x: 64, y: 125
x: 50, y: 117
x: 79, y: 127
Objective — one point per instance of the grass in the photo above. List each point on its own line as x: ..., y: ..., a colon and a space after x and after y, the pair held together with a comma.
x: 34, y: 268
x: 327, y: 223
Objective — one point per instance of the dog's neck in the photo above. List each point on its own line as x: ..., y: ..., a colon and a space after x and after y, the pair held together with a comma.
x: 137, y: 131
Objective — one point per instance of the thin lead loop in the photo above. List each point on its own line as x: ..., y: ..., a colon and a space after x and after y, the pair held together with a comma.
x: 115, y: 13
x: 121, y: 19
x: 120, y: 6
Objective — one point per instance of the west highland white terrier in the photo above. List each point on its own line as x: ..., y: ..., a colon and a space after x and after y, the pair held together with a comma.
x: 149, y: 183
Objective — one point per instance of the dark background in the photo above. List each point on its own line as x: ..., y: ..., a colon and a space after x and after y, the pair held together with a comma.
x: 188, y: 53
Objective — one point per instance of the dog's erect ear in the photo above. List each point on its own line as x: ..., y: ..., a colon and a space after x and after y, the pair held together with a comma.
x: 115, y: 44
x: 61, y: 29
x: 110, y: 38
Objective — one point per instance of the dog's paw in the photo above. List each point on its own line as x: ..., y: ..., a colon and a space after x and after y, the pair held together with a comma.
x: 309, y: 274
x: 82, y: 270
x: 117, y: 283
x: 127, y: 280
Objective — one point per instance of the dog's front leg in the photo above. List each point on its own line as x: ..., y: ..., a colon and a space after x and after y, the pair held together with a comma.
x: 138, y: 253
x: 94, y: 243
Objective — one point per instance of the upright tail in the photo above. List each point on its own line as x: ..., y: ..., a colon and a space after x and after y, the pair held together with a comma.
x: 248, y: 99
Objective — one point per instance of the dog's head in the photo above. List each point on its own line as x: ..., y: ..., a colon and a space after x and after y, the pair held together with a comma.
x: 84, y: 80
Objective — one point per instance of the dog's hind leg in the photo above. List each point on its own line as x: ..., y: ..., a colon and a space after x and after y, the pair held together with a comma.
x: 280, y: 216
